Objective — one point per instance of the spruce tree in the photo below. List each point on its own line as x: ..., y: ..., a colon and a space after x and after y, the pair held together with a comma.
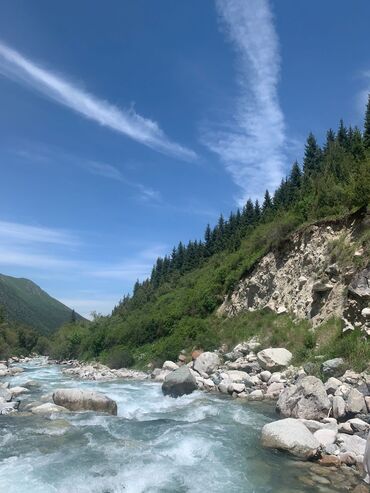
x: 208, y: 241
x: 257, y: 212
x: 312, y: 156
x: 367, y: 125
x: 248, y: 213
x: 267, y: 202
x: 295, y: 177
x: 357, y: 144
x: 342, y: 135
x: 330, y: 140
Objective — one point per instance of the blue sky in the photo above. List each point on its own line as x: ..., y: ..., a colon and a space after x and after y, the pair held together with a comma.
x: 126, y: 127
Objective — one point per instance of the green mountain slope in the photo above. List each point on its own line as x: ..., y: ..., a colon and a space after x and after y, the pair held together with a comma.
x: 176, y: 307
x: 25, y: 302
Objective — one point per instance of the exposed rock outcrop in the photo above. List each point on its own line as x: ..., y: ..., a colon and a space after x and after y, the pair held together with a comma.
x: 300, y: 278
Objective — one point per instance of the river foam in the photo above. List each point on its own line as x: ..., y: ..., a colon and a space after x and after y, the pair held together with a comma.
x: 156, y: 444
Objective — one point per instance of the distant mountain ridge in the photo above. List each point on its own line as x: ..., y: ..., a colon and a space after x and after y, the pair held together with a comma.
x: 25, y: 302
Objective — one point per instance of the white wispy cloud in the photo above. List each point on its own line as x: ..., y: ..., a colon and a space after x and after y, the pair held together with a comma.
x: 11, y: 231
x: 19, y: 68
x: 18, y: 257
x: 251, y: 142
x: 113, y: 173
x: 47, y: 154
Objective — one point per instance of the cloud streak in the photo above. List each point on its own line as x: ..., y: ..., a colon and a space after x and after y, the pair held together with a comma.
x: 10, y: 231
x: 127, y: 122
x: 251, y: 144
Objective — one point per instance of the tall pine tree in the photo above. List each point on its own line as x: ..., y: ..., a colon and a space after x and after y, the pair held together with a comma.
x: 367, y: 125
x: 312, y: 156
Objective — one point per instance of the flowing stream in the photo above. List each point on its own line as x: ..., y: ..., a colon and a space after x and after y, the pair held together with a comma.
x: 197, y: 443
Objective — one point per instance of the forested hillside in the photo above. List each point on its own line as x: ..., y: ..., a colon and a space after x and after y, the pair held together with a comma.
x: 25, y: 302
x: 175, y: 308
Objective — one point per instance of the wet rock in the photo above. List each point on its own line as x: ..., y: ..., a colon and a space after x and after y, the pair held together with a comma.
x: 207, y: 363
x: 85, y: 400
x: 14, y: 370
x: 361, y: 488
x: 290, y: 435
x: 307, y: 399
x: 48, y: 408
x: 31, y: 384
x: 5, y: 395
x: 274, y: 358
x: 179, y: 382
x: 348, y: 458
x: 330, y: 461
x: 8, y: 407
x: 16, y: 391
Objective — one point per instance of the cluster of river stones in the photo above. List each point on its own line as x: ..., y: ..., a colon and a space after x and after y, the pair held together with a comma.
x: 323, y: 423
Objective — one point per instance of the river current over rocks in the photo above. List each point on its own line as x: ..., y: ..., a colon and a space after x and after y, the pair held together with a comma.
x: 156, y: 444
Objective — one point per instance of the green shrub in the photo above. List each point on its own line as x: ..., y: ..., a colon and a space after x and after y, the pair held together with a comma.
x: 118, y: 357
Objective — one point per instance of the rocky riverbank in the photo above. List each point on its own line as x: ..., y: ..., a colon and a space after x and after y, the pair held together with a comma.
x: 324, y: 419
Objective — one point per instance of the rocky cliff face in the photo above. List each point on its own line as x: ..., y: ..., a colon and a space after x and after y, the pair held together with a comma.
x: 316, y: 274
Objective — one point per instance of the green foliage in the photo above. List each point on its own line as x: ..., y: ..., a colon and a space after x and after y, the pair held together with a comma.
x: 118, y: 357
x: 175, y: 308
x: 16, y: 339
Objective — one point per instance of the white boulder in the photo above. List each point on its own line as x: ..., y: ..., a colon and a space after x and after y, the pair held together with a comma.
x: 292, y: 436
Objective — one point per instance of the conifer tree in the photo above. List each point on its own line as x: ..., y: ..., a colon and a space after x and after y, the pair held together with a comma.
x: 248, y: 213
x: 312, y: 156
x: 357, y: 144
x: 267, y: 202
x: 330, y: 140
x: 257, y: 212
x: 295, y: 176
x: 342, y: 135
x: 367, y: 125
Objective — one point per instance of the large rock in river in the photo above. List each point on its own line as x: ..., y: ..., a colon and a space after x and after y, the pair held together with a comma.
x: 84, y: 400
x: 274, y: 358
x: 179, y: 382
x: 207, y: 363
x: 307, y: 399
x: 290, y: 435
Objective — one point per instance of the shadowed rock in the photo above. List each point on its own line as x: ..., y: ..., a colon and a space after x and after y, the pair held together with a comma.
x: 179, y: 382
